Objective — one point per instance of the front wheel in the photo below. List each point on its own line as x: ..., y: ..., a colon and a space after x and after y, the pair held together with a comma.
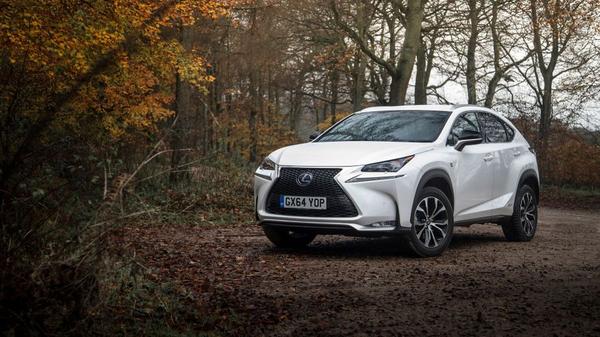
x: 523, y: 223
x: 284, y: 238
x: 432, y: 223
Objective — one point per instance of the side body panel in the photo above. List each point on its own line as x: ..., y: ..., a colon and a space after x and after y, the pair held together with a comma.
x: 483, y: 177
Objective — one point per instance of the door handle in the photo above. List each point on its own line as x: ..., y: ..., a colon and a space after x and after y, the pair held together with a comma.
x: 517, y: 153
x: 488, y: 157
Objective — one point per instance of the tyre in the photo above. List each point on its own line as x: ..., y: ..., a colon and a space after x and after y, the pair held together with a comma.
x: 432, y: 223
x: 523, y: 223
x: 284, y: 238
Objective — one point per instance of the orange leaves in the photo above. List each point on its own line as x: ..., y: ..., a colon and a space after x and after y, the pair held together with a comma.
x: 334, y: 56
x: 272, y: 130
x: 570, y: 158
x: 324, y: 125
x: 192, y: 68
x: 49, y: 38
x: 56, y: 41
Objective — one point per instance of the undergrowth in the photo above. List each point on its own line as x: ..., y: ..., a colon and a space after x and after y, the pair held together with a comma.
x: 136, y: 303
x: 211, y: 191
x: 77, y: 280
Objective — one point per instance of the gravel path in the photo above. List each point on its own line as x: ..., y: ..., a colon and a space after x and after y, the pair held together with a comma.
x: 339, y: 286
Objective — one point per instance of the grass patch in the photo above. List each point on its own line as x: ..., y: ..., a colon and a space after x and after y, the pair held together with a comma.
x: 570, y: 197
x: 212, y: 191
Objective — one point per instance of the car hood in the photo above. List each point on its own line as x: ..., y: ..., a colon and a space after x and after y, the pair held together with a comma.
x: 345, y: 153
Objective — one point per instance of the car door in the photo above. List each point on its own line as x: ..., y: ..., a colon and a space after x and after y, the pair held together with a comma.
x: 472, y: 171
x: 499, y: 137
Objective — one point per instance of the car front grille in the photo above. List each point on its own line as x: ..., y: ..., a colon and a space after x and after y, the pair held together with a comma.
x: 322, y: 185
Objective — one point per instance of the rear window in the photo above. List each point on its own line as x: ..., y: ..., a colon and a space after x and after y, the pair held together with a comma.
x: 495, y: 131
x: 388, y: 126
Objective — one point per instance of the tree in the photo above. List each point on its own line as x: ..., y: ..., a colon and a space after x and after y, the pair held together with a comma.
x: 81, y: 81
x: 562, y: 42
x: 398, y: 65
x: 436, y: 23
x: 505, y: 42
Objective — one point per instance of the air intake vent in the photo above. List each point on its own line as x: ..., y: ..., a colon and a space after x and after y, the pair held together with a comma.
x: 322, y: 185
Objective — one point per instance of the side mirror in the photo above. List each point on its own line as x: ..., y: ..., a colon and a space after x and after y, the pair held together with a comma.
x: 468, y: 137
x: 314, y: 135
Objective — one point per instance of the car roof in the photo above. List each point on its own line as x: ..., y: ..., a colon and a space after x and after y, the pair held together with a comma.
x: 432, y: 107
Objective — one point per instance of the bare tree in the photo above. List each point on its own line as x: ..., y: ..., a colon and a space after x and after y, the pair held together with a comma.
x: 475, y: 9
x: 561, y: 43
x: 506, y: 41
x: 436, y: 25
x: 398, y: 64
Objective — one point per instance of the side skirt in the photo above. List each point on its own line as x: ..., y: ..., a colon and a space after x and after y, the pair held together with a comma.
x: 495, y: 220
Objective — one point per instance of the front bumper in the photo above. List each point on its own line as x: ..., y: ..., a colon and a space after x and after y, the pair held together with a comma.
x: 378, y: 197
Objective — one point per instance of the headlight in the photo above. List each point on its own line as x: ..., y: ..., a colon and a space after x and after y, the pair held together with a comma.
x: 387, y: 166
x: 267, y: 164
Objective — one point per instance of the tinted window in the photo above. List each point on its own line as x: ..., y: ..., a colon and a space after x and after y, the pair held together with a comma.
x: 389, y: 126
x: 466, y: 121
x: 493, y: 128
x: 509, y: 131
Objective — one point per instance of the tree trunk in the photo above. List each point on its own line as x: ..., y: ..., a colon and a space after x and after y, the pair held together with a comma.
x: 358, y: 81
x: 395, y: 90
x: 335, y: 76
x: 471, y: 47
x: 546, y: 110
x: 547, y: 72
x: 253, y: 112
x: 323, y: 112
x: 491, y: 91
x: 253, y: 89
x: 270, y: 101
x: 498, y: 70
x: 421, y: 81
x: 360, y: 63
x: 184, y: 111
x: 412, y: 37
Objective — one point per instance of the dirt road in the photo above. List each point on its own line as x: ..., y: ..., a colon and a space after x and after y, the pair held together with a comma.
x: 339, y: 286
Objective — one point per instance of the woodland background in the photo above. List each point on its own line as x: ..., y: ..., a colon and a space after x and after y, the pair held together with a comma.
x: 117, y: 113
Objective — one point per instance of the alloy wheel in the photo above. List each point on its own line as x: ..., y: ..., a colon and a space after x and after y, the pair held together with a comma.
x: 528, y: 213
x: 431, y: 222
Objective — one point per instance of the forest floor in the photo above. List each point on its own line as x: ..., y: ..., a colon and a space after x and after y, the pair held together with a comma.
x: 340, y: 286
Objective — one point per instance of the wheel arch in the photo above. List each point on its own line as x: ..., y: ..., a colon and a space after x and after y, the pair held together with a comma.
x: 438, y: 178
x: 530, y: 178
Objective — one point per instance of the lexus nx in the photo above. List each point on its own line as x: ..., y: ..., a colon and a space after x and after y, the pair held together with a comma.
x: 411, y: 171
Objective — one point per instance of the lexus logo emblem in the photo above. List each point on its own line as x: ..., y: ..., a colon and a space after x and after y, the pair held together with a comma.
x: 304, y: 179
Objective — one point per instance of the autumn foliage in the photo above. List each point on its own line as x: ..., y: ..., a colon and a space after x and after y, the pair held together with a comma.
x: 80, y: 82
x: 570, y: 158
x: 50, y: 44
x: 151, y: 112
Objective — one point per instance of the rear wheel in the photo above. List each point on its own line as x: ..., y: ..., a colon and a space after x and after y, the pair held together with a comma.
x: 432, y: 223
x: 523, y: 223
x: 284, y: 238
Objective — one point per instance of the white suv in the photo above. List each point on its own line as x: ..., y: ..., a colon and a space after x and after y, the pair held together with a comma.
x: 414, y: 171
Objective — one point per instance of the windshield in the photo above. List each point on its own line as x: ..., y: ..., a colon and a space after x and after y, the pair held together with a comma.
x: 388, y: 126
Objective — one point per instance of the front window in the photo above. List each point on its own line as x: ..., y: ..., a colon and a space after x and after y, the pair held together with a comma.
x: 389, y: 126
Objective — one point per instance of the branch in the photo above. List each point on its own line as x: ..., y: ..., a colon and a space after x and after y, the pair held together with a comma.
x: 315, y: 96
x: 131, y: 44
x: 362, y: 44
x: 577, y: 66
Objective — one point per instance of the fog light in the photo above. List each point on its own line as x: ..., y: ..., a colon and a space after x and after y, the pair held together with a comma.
x: 384, y: 224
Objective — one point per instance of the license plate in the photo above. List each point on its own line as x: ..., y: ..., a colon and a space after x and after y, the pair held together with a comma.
x: 290, y: 201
